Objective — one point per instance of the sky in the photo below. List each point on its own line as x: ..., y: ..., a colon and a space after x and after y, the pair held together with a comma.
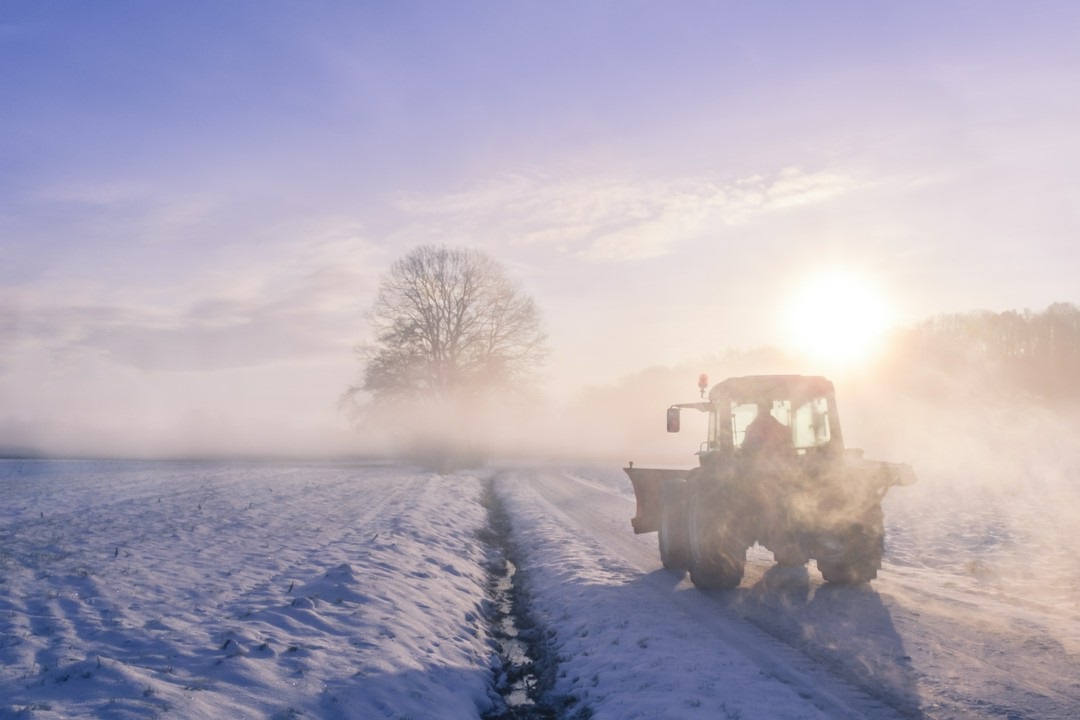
x: 197, y: 200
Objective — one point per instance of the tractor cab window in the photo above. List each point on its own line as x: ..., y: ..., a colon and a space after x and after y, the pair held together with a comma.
x: 811, y: 424
x: 742, y: 414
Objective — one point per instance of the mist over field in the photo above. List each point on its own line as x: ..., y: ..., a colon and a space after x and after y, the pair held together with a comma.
x: 191, y: 233
x: 997, y: 463
x: 319, y: 328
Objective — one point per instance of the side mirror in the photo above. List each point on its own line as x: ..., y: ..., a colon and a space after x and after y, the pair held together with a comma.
x: 673, y: 419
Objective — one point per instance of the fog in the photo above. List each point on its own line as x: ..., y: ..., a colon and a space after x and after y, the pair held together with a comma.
x: 99, y: 409
x: 998, y: 472
x: 996, y: 461
x: 997, y: 464
x: 997, y: 496
x: 998, y: 467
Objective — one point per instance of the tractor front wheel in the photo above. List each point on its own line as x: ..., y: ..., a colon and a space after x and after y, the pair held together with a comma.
x: 674, y: 534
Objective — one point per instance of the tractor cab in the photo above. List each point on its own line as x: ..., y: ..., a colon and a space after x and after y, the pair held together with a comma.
x: 800, y: 410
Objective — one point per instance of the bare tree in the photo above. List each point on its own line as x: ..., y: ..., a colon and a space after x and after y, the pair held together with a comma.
x: 449, y: 323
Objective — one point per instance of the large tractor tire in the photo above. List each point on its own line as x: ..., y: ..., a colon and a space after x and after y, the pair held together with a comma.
x: 674, y: 533
x: 717, y: 549
x: 858, y: 563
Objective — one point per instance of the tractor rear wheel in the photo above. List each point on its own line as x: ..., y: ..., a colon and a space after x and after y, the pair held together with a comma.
x: 858, y: 563
x: 717, y: 550
x: 849, y: 572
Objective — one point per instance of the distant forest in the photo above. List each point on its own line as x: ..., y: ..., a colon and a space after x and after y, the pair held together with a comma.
x: 1031, y: 352
x: 952, y: 357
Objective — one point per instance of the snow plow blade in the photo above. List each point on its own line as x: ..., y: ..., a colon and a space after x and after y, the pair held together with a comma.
x: 649, y: 492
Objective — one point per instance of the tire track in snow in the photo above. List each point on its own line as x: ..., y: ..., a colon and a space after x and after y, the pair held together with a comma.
x: 927, y: 643
x: 576, y: 535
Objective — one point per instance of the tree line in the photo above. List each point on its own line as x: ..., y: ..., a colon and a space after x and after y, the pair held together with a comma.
x: 1032, y: 352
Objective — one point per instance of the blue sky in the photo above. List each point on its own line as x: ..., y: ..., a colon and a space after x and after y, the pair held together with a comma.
x: 197, y: 199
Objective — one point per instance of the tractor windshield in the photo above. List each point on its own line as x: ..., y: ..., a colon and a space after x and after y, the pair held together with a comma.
x: 744, y: 414
x: 808, y: 422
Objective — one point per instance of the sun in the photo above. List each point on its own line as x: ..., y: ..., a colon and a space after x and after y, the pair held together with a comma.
x: 839, y: 317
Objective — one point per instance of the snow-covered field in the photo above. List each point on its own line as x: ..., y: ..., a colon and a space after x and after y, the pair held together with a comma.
x: 944, y: 632
x: 211, y: 590
x: 233, y: 590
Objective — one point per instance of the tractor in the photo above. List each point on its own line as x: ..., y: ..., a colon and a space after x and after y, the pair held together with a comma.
x: 774, y: 471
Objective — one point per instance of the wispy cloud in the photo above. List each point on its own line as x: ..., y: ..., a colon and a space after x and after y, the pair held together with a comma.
x: 126, y: 209
x: 251, y: 307
x: 609, y: 218
x: 794, y: 188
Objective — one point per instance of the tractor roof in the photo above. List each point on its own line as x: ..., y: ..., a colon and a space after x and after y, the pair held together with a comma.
x: 757, y: 388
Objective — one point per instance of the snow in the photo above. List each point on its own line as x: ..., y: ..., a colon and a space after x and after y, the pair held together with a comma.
x: 336, y: 589
x: 632, y: 659
x: 240, y: 590
x: 638, y: 641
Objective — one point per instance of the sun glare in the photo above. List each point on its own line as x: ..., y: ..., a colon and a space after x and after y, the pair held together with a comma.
x: 838, y: 317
